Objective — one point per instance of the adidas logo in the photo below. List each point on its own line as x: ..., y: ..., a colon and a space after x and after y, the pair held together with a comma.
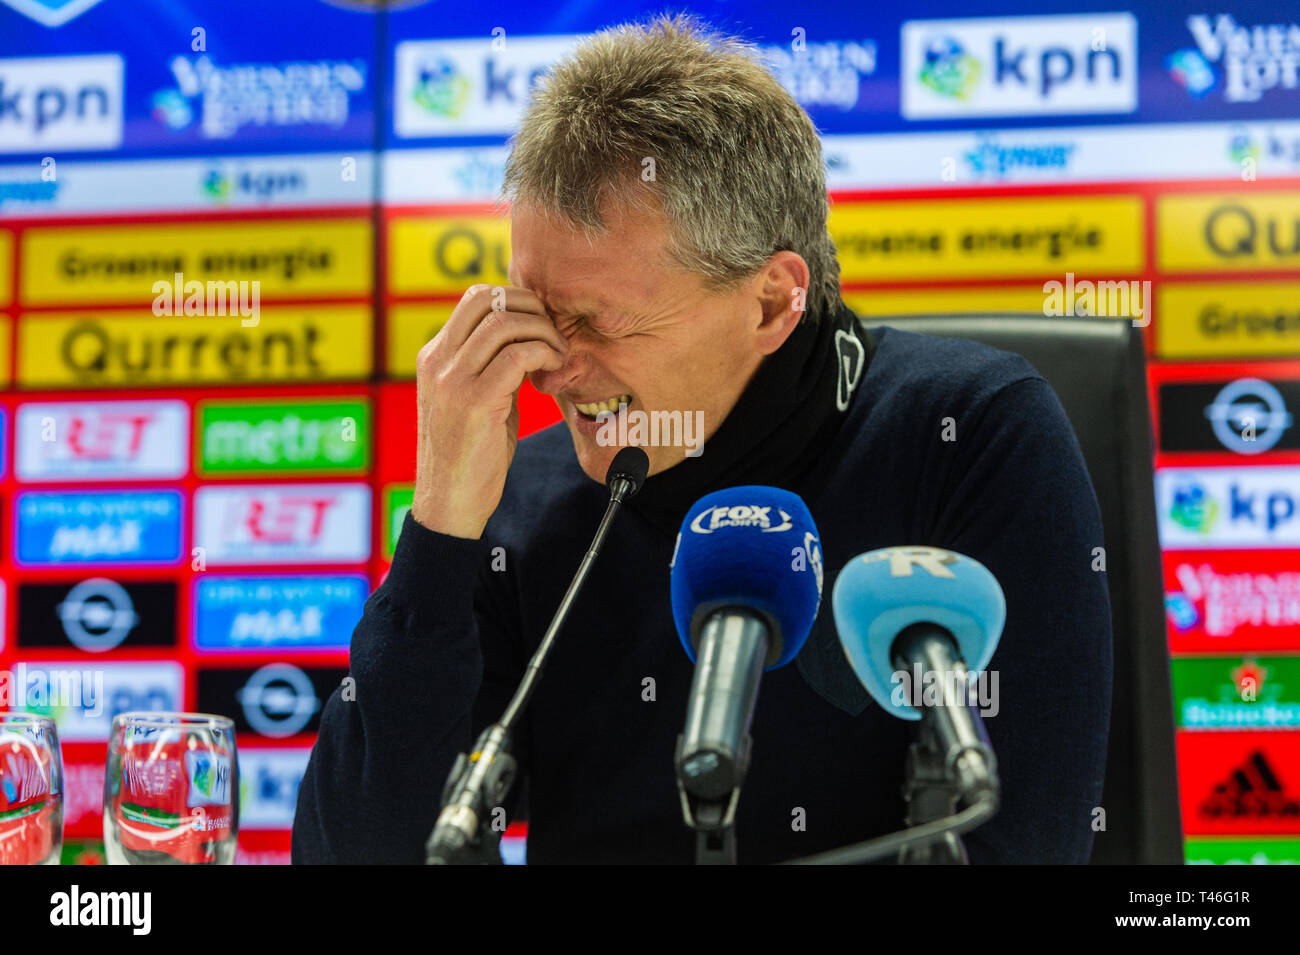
x: 1250, y: 791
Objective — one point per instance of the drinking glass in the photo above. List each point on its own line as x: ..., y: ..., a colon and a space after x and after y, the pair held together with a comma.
x: 171, y: 790
x: 31, y: 790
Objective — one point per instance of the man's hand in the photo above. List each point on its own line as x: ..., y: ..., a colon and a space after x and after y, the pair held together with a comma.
x: 468, y: 379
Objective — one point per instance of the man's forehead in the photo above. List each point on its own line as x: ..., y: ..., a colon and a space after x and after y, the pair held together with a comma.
x: 569, y: 269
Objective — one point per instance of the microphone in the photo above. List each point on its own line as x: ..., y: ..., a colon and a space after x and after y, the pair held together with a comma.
x: 482, y: 779
x: 746, y: 584
x: 934, y: 615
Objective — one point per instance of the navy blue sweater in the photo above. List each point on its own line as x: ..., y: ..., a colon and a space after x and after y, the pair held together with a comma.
x: 444, y: 641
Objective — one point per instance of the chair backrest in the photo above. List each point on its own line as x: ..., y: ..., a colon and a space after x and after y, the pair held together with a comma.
x: 1098, y: 370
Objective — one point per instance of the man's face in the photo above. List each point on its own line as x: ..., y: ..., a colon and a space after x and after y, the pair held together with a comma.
x: 639, y: 330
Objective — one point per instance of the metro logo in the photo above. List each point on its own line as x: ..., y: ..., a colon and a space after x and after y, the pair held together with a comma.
x: 235, y: 437
x: 95, y: 349
x: 103, y: 440
x: 269, y: 524
x: 68, y: 102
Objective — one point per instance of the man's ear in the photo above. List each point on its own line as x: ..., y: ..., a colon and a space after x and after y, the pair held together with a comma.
x: 782, y: 294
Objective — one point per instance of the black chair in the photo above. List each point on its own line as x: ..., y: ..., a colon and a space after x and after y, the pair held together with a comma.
x: 1097, y: 368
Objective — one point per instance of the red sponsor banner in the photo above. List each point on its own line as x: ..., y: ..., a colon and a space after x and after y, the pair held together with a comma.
x: 1239, y: 782
x: 83, y: 790
x: 397, y: 423
x: 264, y: 847
x: 1233, y: 601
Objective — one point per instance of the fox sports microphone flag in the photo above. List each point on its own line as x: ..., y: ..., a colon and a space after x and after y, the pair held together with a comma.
x: 881, y: 593
x: 750, y: 547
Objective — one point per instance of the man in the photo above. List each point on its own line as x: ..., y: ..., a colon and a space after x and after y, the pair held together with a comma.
x: 670, y: 253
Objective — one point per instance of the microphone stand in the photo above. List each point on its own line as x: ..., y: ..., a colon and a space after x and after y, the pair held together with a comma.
x: 714, y: 820
x: 481, y: 779
x: 932, y: 794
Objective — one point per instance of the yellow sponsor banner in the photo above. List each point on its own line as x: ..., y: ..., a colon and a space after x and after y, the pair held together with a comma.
x: 410, y: 326
x: 1228, y: 320
x: 5, y: 338
x: 287, y: 257
x: 1011, y: 299
x: 287, y: 343
x: 6, y: 259
x: 987, y: 237
x: 1105, y: 298
x: 1228, y: 231
x: 447, y: 254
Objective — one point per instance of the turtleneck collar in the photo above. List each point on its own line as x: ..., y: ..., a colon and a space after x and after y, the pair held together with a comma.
x: 781, y: 423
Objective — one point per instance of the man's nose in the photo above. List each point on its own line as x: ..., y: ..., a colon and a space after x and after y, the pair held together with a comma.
x: 553, y: 382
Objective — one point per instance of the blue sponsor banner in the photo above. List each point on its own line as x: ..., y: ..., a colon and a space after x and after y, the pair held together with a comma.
x: 92, y: 78
x: 315, y: 612
x: 137, y: 78
x: 98, y: 527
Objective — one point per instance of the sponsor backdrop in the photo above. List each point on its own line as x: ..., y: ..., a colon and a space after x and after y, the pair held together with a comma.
x: 224, y: 237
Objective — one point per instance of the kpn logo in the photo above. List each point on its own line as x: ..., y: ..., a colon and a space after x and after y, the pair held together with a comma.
x: 1192, y: 508
x: 1019, y: 66
x: 440, y: 88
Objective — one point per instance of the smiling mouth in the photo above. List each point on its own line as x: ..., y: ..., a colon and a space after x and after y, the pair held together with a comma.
x: 609, y: 406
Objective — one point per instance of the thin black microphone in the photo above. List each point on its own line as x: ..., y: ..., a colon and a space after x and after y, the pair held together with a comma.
x: 481, y: 779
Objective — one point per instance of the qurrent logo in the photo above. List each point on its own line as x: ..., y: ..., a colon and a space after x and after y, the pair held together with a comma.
x: 278, y: 700
x: 1249, y: 416
x: 98, y: 614
x: 740, y: 515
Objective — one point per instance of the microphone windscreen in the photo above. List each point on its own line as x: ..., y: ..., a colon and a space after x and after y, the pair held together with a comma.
x: 631, y: 463
x: 752, y: 547
x: 882, y: 592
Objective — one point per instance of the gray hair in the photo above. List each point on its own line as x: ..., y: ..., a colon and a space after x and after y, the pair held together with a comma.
x: 737, y: 165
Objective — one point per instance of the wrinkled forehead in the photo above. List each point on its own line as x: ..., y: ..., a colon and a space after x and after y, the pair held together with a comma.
x: 571, y: 270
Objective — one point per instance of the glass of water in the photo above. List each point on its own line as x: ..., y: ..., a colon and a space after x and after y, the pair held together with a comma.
x: 171, y: 790
x: 31, y: 790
